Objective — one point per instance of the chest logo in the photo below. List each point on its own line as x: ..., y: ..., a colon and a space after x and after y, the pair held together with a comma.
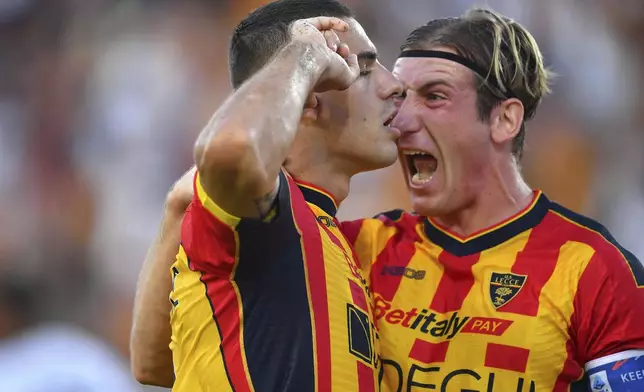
x: 504, y: 287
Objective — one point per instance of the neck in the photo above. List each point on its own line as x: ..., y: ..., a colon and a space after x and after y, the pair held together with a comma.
x: 331, y: 176
x: 501, y: 194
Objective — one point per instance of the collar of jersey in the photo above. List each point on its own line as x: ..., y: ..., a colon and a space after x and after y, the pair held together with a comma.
x: 492, y: 236
x: 319, y: 197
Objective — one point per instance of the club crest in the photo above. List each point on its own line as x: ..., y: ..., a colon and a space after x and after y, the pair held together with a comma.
x: 504, y: 287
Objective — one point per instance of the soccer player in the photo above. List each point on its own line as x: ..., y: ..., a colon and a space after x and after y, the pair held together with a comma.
x: 490, y: 286
x: 267, y: 294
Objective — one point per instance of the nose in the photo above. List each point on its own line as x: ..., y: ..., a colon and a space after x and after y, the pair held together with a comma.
x: 388, y: 85
x: 407, y: 119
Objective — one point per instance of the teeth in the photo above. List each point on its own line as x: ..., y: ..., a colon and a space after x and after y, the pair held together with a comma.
x: 414, y: 152
x: 422, y: 166
x: 421, y: 178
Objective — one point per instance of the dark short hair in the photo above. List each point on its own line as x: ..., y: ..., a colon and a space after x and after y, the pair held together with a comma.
x: 501, y: 46
x: 264, y: 32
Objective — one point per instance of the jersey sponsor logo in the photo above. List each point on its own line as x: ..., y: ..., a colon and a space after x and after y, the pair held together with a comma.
x: 624, y: 373
x: 326, y: 221
x: 404, y: 272
x: 438, y: 325
x: 487, y: 326
x: 504, y: 287
x: 433, y: 378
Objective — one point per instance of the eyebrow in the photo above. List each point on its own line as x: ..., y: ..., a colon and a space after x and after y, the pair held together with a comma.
x: 433, y: 83
x: 367, y: 55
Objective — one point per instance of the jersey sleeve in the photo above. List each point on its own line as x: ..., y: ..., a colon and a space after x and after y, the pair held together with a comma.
x: 212, y: 237
x: 609, y: 305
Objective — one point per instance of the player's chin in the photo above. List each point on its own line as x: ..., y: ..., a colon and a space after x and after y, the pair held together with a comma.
x: 384, y: 154
x: 428, y: 203
x: 389, y: 153
x: 422, y: 204
x: 373, y: 157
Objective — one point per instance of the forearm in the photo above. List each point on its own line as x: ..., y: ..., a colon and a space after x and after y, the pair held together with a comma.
x: 151, y: 358
x: 250, y: 135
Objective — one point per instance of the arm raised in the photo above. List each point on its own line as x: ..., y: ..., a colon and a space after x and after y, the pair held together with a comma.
x: 240, y: 152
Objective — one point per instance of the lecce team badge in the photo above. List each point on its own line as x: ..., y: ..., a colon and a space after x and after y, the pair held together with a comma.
x: 504, y: 287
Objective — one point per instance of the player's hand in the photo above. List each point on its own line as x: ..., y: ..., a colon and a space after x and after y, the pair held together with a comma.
x: 182, y: 192
x: 342, y: 68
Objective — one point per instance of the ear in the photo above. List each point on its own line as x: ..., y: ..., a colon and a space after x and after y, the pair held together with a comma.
x: 311, y: 109
x: 506, y: 120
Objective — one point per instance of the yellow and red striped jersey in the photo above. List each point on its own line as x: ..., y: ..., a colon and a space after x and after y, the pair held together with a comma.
x: 519, y: 307
x: 273, y: 305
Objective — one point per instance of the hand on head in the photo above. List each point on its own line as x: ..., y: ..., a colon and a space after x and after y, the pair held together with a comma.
x: 342, y: 69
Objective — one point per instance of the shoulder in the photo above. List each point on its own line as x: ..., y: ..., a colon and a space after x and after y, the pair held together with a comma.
x: 585, y: 229
x: 610, y: 288
x: 404, y: 222
x: 399, y: 219
x: 287, y: 201
x: 215, y: 240
x: 392, y: 221
x: 609, y: 256
x: 392, y: 215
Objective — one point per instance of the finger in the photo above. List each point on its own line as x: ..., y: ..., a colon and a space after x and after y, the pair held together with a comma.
x: 302, y: 28
x: 354, y: 69
x: 332, y: 40
x: 311, y: 102
x: 328, y: 23
x: 344, y: 51
x: 310, y: 108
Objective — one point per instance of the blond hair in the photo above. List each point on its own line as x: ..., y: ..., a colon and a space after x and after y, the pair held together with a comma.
x: 501, y: 46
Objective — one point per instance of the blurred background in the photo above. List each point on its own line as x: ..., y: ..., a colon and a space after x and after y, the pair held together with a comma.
x: 100, y: 104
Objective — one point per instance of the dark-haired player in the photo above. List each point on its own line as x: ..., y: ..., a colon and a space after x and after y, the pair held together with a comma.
x: 267, y: 295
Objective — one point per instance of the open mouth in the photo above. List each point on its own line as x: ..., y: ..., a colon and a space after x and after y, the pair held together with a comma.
x: 422, y: 166
x: 389, y: 120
